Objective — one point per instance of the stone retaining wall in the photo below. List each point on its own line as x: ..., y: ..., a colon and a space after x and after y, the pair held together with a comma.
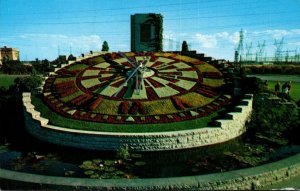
x: 229, y: 128
x: 244, y: 179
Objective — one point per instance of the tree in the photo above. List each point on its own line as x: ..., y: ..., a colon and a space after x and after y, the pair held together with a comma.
x: 13, y: 67
x: 28, y: 83
x: 184, y: 47
x: 71, y: 57
x: 105, y: 46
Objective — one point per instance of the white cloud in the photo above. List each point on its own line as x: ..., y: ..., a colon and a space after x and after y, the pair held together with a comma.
x: 84, y: 42
x: 207, y: 41
x: 212, y: 40
x: 296, y: 31
x: 234, y: 38
x: 222, y: 35
x: 277, y: 33
x: 50, y: 45
x: 294, y: 43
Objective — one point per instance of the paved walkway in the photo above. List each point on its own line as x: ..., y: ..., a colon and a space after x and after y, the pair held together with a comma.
x: 280, y: 78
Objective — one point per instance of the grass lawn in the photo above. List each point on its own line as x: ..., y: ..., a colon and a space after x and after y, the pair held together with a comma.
x: 59, y: 120
x: 295, y: 91
x: 8, y: 80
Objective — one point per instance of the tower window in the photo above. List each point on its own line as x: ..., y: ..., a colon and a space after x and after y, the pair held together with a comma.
x: 145, y: 32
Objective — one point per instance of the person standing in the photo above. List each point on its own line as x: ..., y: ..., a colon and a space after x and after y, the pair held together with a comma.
x: 289, y: 87
x: 277, y: 87
x: 284, y: 88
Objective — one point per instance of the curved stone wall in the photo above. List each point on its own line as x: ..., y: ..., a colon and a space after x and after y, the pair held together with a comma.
x: 244, y: 179
x: 228, y: 129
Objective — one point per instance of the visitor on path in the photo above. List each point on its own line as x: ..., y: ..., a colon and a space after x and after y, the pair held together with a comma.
x: 289, y: 87
x: 277, y: 87
x: 285, y: 88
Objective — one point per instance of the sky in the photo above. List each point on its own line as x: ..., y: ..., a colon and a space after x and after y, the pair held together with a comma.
x: 45, y: 29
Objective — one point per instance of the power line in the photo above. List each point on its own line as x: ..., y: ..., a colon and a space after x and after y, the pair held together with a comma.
x: 176, y: 18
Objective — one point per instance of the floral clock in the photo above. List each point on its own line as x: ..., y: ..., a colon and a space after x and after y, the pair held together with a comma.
x: 137, y: 88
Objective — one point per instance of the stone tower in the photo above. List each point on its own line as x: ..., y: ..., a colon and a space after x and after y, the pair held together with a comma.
x: 146, y: 32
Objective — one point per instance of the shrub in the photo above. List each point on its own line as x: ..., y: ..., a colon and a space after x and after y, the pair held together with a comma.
x: 253, y: 85
x: 273, y: 119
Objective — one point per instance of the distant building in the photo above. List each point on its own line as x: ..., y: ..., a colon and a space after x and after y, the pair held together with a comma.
x: 146, y: 32
x: 9, y: 54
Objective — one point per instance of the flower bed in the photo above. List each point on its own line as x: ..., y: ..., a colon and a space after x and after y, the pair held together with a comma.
x: 94, y: 91
x: 179, y: 103
x: 214, y: 75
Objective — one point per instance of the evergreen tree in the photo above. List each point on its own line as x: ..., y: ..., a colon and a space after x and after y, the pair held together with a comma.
x: 184, y: 47
x: 105, y: 46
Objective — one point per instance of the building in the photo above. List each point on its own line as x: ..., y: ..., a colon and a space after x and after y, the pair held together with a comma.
x: 9, y: 54
x: 146, y: 32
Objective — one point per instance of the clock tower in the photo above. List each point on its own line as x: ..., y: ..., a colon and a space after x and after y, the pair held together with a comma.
x: 146, y: 32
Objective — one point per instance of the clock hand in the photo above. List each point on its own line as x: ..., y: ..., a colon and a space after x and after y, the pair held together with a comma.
x: 139, y: 87
x: 131, y: 75
x: 132, y: 62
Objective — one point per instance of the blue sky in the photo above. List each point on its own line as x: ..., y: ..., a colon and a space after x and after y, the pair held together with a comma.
x: 43, y: 29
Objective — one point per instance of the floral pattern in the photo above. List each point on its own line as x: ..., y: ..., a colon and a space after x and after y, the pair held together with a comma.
x: 78, y: 90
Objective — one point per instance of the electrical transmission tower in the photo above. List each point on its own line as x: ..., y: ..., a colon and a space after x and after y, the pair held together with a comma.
x: 288, y: 57
x: 239, y: 51
x: 278, y: 50
x: 170, y: 44
x: 260, y: 51
x: 241, y: 44
x: 177, y: 46
x: 249, y: 52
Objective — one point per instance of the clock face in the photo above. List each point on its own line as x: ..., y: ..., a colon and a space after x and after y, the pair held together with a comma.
x: 162, y: 77
x: 136, y: 88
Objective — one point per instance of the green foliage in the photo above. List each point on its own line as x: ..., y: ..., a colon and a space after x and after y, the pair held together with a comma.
x: 157, y: 20
x: 254, y: 85
x: 271, y: 69
x: 123, y: 153
x: 14, y: 67
x: 71, y: 57
x: 7, y: 80
x: 184, y: 47
x: 108, y: 169
x: 121, y: 167
x: 28, y: 83
x: 42, y: 66
x: 272, y: 119
x: 105, y: 46
x: 59, y: 120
